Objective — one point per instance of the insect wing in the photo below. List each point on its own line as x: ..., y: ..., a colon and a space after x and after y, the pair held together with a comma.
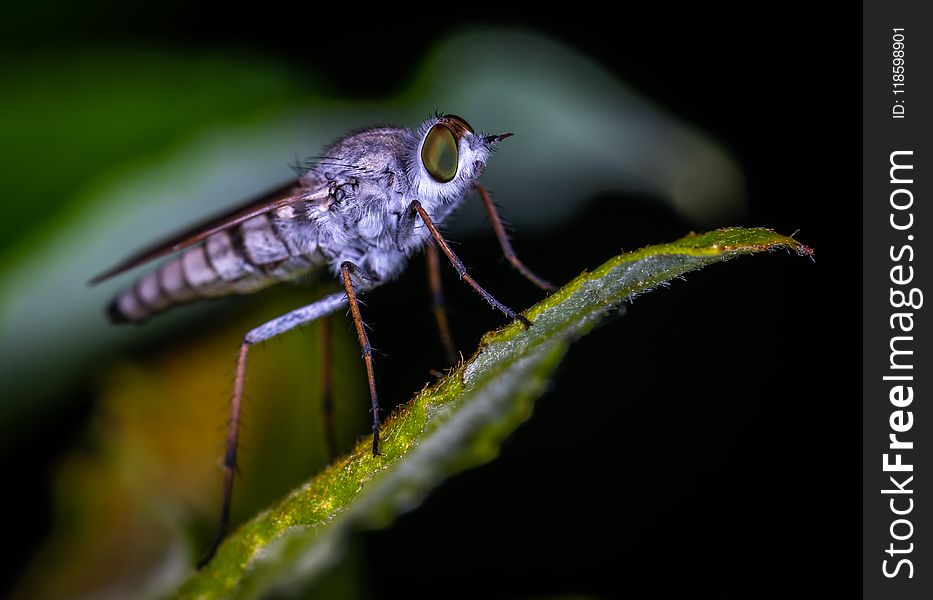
x: 284, y: 195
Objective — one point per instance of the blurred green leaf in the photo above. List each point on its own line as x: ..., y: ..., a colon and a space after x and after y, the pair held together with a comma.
x: 455, y: 424
x: 143, y: 483
x: 66, y: 122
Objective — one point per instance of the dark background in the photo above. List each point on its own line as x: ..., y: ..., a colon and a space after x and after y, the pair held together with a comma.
x: 733, y: 469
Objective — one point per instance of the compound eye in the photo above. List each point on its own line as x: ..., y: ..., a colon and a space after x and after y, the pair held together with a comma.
x: 439, y: 154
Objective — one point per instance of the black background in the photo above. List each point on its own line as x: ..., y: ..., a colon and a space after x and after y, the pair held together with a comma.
x: 731, y: 469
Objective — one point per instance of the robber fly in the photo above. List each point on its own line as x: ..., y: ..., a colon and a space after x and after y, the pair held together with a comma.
x: 360, y: 210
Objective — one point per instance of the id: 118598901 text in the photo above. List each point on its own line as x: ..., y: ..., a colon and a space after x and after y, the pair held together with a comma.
x: 898, y: 110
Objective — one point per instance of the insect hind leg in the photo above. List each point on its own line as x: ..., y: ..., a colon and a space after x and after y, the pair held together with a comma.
x: 273, y: 328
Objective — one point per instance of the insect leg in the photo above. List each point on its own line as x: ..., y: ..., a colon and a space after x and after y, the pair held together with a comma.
x: 345, y: 270
x: 506, y: 245
x: 327, y: 397
x: 437, y: 301
x: 275, y: 327
x: 461, y: 270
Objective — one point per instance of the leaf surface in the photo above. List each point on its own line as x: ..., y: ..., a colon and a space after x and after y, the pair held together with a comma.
x: 455, y: 424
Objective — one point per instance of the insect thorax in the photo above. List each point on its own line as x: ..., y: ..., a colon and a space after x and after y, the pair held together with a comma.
x: 369, y: 183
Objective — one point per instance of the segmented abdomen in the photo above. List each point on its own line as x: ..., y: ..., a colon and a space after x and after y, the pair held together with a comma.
x: 242, y: 260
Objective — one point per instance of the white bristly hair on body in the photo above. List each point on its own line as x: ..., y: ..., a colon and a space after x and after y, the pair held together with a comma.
x: 352, y: 204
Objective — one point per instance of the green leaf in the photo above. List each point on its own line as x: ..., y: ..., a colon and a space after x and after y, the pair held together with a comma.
x: 457, y: 423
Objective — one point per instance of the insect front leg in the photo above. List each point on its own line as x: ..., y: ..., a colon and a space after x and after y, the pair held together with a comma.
x: 278, y: 326
x: 506, y: 245
x: 416, y: 207
x: 403, y: 240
